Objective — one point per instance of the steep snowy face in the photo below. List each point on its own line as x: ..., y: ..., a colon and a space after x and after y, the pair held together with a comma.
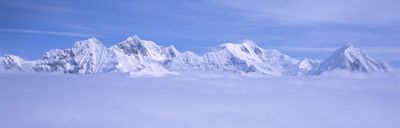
x: 13, y: 63
x: 186, y: 61
x: 134, y: 46
x: 351, y: 58
x: 171, y: 52
x: 307, y: 64
x: 86, y: 57
x: 223, y: 60
x: 245, y: 51
x: 91, y: 56
x: 247, y: 57
x: 176, y: 61
x: 56, y: 61
x: 142, y: 57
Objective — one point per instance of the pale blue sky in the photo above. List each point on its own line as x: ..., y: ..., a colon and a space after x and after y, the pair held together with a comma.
x: 299, y: 28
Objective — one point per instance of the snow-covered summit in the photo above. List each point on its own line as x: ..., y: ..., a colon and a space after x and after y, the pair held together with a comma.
x: 142, y: 57
x: 247, y: 57
x: 85, y: 57
x: 136, y: 56
x: 350, y: 58
x: 91, y: 56
x: 133, y: 45
x: 88, y: 43
x: 10, y: 62
x: 247, y: 50
x: 302, y: 68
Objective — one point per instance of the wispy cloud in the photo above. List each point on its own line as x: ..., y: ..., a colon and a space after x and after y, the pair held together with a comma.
x: 46, y: 32
x: 39, y: 6
x: 357, y: 12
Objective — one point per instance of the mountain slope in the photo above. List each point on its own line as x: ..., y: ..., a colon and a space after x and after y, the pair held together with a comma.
x: 14, y: 63
x: 247, y: 57
x: 302, y: 68
x: 142, y: 57
x: 350, y: 58
x: 85, y: 57
x: 56, y: 61
x: 91, y: 56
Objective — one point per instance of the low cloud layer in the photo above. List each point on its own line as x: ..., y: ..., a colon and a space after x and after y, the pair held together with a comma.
x: 332, y: 100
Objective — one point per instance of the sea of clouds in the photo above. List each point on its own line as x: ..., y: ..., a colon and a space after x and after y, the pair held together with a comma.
x: 337, y: 99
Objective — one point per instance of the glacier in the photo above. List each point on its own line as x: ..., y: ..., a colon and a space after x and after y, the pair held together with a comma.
x: 139, y: 57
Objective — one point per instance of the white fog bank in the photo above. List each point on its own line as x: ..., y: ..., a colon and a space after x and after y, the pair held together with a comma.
x: 335, y: 100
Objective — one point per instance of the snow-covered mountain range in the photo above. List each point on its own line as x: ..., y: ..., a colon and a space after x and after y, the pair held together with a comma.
x: 142, y: 57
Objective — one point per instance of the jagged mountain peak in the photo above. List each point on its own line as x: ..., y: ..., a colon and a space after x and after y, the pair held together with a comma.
x: 302, y: 67
x: 250, y: 50
x: 133, y: 45
x: 92, y: 56
x: 172, y: 48
x: 134, y: 38
x: 307, y: 64
x: 347, y: 53
x: 137, y: 56
x: 55, y: 53
x: 247, y: 57
x: 9, y: 58
x: 351, y: 58
x: 346, y: 49
x: 85, y: 57
x: 171, y: 51
x: 11, y: 62
x: 88, y: 43
x: 136, y: 41
x: 348, y: 46
x: 249, y: 43
x: 244, y: 43
x: 245, y: 48
x: 89, y: 46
